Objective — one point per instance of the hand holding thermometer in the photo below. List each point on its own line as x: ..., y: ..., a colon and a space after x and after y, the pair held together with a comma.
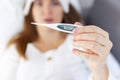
x: 63, y: 27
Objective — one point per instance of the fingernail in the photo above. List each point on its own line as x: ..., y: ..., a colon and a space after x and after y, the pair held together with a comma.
x: 76, y: 30
x: 73, y: 37
x: 78, y: 23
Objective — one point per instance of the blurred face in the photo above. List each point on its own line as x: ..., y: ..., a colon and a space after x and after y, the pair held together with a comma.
x: 47, y: 11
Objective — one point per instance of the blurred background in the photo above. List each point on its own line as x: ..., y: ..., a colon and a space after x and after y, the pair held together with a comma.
x: 103, y: 13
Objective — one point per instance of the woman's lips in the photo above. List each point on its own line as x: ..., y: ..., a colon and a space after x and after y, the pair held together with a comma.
x: 48, y: 20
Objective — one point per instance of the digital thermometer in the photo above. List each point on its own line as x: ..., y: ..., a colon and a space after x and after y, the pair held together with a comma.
x: 68, y: 28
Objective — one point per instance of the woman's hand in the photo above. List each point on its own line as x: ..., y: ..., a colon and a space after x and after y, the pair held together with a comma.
x: 97, y: 44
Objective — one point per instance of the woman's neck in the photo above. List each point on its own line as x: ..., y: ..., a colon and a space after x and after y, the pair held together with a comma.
x: 49, y: 40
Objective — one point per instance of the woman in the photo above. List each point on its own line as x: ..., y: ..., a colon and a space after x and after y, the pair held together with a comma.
x: 40, y: 53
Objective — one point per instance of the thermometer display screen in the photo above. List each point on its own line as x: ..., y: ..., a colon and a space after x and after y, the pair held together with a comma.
x: 66, y: 27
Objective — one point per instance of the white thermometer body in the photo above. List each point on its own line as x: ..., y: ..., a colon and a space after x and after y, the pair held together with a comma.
x: 68, y: 28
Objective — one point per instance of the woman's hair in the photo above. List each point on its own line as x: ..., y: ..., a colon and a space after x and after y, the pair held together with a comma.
x: 29, y: 33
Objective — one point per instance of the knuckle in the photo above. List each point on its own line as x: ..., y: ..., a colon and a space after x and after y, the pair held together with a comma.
x: 111, y: 44
x: 107, y: 34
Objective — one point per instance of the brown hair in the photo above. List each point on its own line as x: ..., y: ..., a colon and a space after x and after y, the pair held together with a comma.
x: 29, y: 34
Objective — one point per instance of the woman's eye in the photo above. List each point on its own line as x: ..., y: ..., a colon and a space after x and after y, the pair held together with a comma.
x: 56, y: 3
x: 39, y: 3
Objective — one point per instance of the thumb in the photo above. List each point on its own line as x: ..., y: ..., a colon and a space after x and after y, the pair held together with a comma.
x: 78, y: 23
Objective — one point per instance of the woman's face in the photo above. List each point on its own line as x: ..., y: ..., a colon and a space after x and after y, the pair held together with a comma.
x: 47, y: 11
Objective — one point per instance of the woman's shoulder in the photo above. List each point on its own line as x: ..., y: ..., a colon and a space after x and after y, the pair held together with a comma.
x: 9, y: 60
x: 11, y: 48
x: 11, y: 52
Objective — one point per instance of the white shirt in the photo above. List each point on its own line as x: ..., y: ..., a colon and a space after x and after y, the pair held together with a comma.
x: 57, y: 64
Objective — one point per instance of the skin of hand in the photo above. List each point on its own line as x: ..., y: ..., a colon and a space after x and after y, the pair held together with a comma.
x: 97, y: 44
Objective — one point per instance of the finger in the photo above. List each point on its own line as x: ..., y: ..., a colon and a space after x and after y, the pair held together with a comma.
x: 91, y: 37
x: 91, y: 29
x: 88, y: 51
x: 77, y: 23
x: 93, y: 46
x: 83, y: 54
